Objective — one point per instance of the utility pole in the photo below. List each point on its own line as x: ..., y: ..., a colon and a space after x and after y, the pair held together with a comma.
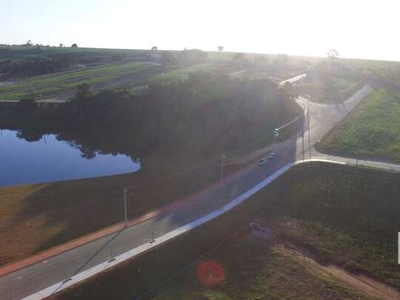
x: 222, y: 166
x: 302, y: 141
x: 309, y: 129
x: 125, y: 207
x: 276, y: 134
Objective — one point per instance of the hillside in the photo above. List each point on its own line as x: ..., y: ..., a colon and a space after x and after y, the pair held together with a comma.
x: 372, y: 131
x: 55, y: 72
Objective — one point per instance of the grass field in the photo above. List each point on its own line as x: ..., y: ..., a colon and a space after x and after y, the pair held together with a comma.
x: 340, y: 89
x: 348, y: 218
x: 181, y: 74
x: 120, y: 69
x: 372, y: 131
x: 66, y: 82
x: 365, y: 64
x: 310, y: 215
x: 28, y: 52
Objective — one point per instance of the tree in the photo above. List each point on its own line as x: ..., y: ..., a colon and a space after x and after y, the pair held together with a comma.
x: 83, y: 92
x: 168, y: 58
x: 220, y: 48
x: 154, y: 48
x: 27, y: 104
x: 333, y: 54
x: 74, y: 45
x: 61, y: 45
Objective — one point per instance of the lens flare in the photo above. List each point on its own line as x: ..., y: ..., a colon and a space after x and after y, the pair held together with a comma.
x: 210, y: 273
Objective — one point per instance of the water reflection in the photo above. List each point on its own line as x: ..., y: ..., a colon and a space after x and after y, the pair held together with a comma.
x: 31, y: 157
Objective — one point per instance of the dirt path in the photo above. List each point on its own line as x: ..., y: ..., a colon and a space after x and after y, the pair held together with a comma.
x: 362, y: 283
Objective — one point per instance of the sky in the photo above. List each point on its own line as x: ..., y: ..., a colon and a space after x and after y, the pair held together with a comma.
x: 357, y: 29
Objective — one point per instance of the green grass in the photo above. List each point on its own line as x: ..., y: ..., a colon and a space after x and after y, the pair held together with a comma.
x: 347, y: 218
x: 337, y: 220
x: 372, y: 131
x: 26, y: 52
x: 338, y: 90
x: 257, y: 271
x: 181, y: 74
x: 367, y: 65
x: 47, y: 85
x: 292, y: 61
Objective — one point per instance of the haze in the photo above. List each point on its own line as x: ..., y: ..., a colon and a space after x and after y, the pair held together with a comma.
x: 358, y: 29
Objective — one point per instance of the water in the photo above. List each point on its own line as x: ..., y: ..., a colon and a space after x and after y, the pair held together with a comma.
x: 48, y: 159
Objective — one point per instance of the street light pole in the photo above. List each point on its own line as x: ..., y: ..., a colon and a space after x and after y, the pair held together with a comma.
x: 302, y: 140
x: 276, y: 135
x: 309, y: 129
x: 125, y: 207
x: 222, y: 166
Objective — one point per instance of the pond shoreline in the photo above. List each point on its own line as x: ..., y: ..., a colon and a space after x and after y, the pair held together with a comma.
x: 44, y: 158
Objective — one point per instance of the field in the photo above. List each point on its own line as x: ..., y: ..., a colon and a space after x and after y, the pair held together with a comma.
x: 372, y: 131
x: 181, y: 74
x: 347, y: 218
x: 55, y: 72
x: 306, y: 233
x: 335, y: 91
x: 369, y: 65
x: 65, y: 83
x: 133, y: 69
x: 101, y: 68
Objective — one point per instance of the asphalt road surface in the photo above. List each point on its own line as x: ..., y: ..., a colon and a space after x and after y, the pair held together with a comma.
x: 320, y: 119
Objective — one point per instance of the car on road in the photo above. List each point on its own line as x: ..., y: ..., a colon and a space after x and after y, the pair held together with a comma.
x: 262, y: 161
x: 272, y: 155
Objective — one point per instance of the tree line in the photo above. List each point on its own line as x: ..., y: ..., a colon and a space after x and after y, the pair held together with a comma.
x: 207, y: 114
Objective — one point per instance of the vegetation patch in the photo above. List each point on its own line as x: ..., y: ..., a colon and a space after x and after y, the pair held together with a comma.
x: 346, y: 218
x: 50, y: 85
x: 182, y: 74
x: 372, y: 131
x: 324, y: 85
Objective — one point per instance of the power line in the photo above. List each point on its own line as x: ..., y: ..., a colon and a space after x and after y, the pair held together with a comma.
x: 308, y: 125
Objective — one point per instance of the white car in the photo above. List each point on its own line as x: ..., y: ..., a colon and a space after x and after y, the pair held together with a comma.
x: 262, y: 161
x: 272, y: 155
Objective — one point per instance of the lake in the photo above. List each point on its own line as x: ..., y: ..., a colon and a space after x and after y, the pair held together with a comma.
x: 49, y: 159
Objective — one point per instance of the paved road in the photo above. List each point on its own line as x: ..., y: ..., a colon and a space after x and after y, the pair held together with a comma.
x: 293, y: 79
x: 24, y: 282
